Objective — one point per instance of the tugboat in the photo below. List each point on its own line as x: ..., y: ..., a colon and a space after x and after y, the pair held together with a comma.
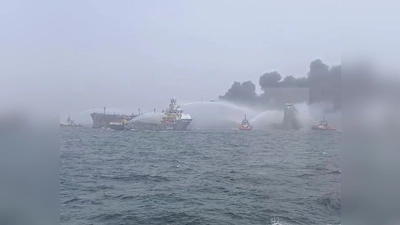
x: 123, y: 125
x: 245, y: 125
x: 323, y: 125
x: 173, y: 119
x: 70, y: 123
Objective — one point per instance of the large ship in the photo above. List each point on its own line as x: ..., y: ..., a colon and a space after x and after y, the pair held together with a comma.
x: 290, y: 118
x: 103, y: 120
x: 173, y: 119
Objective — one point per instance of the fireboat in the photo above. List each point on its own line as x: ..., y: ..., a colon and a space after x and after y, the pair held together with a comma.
x: 323, y: 125
x: 123, y: 125
x: 245, y: 125
x: 70, y: 123
x: 173, y: 119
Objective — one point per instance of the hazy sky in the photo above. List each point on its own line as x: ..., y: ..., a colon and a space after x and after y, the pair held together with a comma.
x: 138, y: 54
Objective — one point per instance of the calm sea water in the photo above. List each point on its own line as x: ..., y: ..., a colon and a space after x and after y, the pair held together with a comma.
x: 199, y: 177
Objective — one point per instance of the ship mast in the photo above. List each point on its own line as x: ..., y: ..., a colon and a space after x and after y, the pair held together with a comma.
x: 324, y: 122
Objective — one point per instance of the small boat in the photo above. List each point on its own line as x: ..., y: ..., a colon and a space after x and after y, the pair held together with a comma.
x: 123, y: 125
x: 70, y: 123
x: 245, y: 125
x: 323, y: 125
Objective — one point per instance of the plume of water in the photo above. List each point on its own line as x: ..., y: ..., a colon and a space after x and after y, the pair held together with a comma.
x: 267, y: 118
x: 213, y: 115
x: 311, y: 114
x: 219, y: 104
x: 303, y: 115
x: 270, y: 117
x: 151, y: 117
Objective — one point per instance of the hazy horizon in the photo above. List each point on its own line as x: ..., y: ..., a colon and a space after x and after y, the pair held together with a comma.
x: 81, y: 55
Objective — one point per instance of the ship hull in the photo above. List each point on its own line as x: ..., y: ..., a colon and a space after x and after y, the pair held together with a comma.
x: 63, y: 125
x: 286, y: 126
x: 70, y: 125
x: 325, y: 128
x: 119, y: 127
x: 104, y: 120
x: 245, y: 128
x: 179, y: 125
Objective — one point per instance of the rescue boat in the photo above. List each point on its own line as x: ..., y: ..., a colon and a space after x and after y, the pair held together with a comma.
x: 245, y: 125
x: 323, y: 125
x: 70, y: 123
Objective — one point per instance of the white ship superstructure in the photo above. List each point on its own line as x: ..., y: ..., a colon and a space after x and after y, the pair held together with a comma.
x: 173, y: 119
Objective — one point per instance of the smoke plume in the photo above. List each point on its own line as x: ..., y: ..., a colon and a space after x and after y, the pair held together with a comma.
x: 325, y: 84
x: 241, y: 93
x: 274, y: 80
x: 321, y: 85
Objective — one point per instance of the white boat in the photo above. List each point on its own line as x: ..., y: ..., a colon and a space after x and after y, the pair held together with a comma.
x: 70, y: 123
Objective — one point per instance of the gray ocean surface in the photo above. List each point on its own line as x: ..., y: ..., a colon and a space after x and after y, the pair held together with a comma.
x: 199, y: 177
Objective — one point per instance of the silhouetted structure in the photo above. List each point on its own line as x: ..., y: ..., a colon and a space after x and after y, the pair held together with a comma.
x: 103, y: 120
x: 290, y: 119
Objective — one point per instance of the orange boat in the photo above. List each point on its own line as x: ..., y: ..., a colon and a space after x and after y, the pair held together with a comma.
x: 245, y: 125
x: 323, y: 125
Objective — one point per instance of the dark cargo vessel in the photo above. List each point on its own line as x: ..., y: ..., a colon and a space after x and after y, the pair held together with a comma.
x: 101, y: 120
